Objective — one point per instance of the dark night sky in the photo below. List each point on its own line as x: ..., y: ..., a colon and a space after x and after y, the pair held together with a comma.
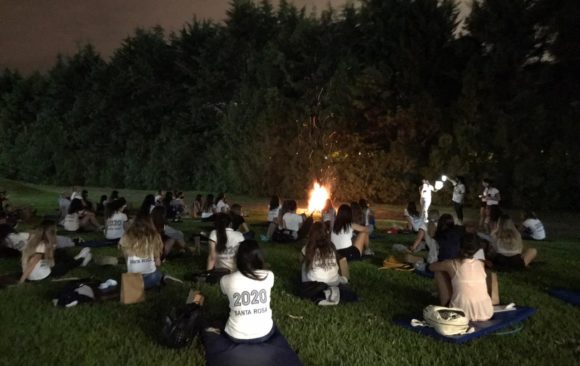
x: 33, y: 32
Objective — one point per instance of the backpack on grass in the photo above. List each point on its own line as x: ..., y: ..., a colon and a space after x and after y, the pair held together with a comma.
x: 447, y: 321
x: 181, y: 326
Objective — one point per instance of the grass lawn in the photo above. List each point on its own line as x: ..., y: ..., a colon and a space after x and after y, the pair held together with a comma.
x: 35, y: 332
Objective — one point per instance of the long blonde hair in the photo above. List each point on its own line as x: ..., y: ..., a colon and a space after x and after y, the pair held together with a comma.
x: 507, y: 236
x: 141, y: 239
x: 43, y: 234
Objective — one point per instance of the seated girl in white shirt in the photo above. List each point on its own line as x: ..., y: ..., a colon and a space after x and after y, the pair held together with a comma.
x: 116, y: 223
x: 321, y: 281
x: 223, y: 246
x: 142, y: 247
x: 291, y: 220
x: 208, y: 209
x: 40, y: 258
x: 78, y: 218
x: 532, y: 227
x: 342, y: 233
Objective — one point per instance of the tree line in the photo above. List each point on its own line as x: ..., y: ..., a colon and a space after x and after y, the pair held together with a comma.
x: 368, y: 99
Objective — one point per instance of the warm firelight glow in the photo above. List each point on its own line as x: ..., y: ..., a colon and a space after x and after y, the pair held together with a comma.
x: 318, y: 196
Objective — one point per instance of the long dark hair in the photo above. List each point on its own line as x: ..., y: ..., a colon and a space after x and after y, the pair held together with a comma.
x: 76, y: 205
x: 115, y: 206
x: 158, y: 218
x: 250, y: 259
x: 469, y: 246
x: 145, y: 209
x: 220, y: 197
x: 444, y: 224
x: 357, y: 214
x: 412, y: 209
x: 167, y: 199
x: 274, y: 202
x: 222, y: 222
x: 319, y: 247
x: 208, y: 203
x: 343, y: 219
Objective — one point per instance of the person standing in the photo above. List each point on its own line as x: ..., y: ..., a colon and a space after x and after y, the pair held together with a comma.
x: 458, y: 197
x: 425, y: 191
x: 489, y: 197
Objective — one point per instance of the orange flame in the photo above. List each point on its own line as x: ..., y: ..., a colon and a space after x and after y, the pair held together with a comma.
x: 318, y: 196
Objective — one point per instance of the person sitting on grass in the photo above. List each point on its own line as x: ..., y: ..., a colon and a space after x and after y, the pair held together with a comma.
x: 100, y: 211
x: 40, y: 258
x: 116, y: 223
x: 328, y: 215
x: 342, y: 236
x: 223, y: 246
x: 208, y: 209
x: 291, y: 221
x: 142, y: 246
x: 508, y: 246
x: 414, y: 219
x: 197, y: 207
x: 147, y: 206
x: 239, y: 223
x: 463, y: 283
x: 77, y: 218
x: 221, y: 204
x: 169, y: 241
x: 321, y: 281
x: 532, y: 227
x: 273, y: 218
x: 250, y: 336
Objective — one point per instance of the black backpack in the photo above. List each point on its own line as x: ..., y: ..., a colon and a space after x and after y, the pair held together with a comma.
x: 181, y: 326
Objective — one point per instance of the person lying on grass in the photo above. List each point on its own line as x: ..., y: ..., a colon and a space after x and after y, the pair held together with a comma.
x: 321, y: 281
x: 142, y: 247
x: 507, y: 247
x: 223, y: 245
x: 40, y: 258
x: 342, y: 233
x: 463, y: 283
x: 77, y: 218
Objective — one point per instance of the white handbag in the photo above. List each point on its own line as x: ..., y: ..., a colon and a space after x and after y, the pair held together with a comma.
x: 445, y: 321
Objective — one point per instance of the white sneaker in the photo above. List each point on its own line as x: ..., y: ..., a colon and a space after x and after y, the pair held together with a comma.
x: 368, y: 252
x: 87, y: 259
x: 83, y: 253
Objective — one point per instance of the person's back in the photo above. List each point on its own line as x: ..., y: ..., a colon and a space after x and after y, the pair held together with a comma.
x: 323, y: 270
x: 250, y: 313
x: 470, y: 289
x: 226, y: 259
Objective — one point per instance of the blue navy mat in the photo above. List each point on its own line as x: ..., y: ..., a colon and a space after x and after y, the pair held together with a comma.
x: 499, y: 321
x: 424, y: 273
x: 566, y: 295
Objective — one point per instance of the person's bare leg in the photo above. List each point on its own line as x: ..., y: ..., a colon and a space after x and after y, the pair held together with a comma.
x: 529, y: 255
x: 361, y: 242
x: 493, y: 287
x: 444, y: 288
x: 168, y: 245
x: 418, y: 240
x: 271, y: 229
x: 343, y: 267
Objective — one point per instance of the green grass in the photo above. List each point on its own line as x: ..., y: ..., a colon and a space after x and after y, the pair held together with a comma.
x: 35, y: 332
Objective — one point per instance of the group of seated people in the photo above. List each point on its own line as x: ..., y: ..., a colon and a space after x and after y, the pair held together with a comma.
x: 459, y: 256
x: 464, y: 258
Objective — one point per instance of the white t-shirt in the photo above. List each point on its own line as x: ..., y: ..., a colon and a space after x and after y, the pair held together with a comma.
x: 76, y: 195
x: 222, y: 207
x: 273, y: 214
x: 42, y: 268
x: 114, y: 228
x: 536, y: 229
x: 329, y: 216
x: 318, y: 273
x: 227, y: 258
x: 17, y: 241
x: 71, y: 222
x: 343, y: 239
x: 206, y: 214
x: 292, y: 221
x: 426, y: 190
x: 250, y: 313
x: 415, y: 221
x: 458, y: 193
x: 141, y: 265
x: 488, y: 193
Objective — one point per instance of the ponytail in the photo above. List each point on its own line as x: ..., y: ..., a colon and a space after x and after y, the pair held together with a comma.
x: 222, y: 222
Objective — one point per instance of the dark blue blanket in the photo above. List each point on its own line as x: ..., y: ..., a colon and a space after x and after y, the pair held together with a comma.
x: 566, y: 295
x: 499, y: 321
